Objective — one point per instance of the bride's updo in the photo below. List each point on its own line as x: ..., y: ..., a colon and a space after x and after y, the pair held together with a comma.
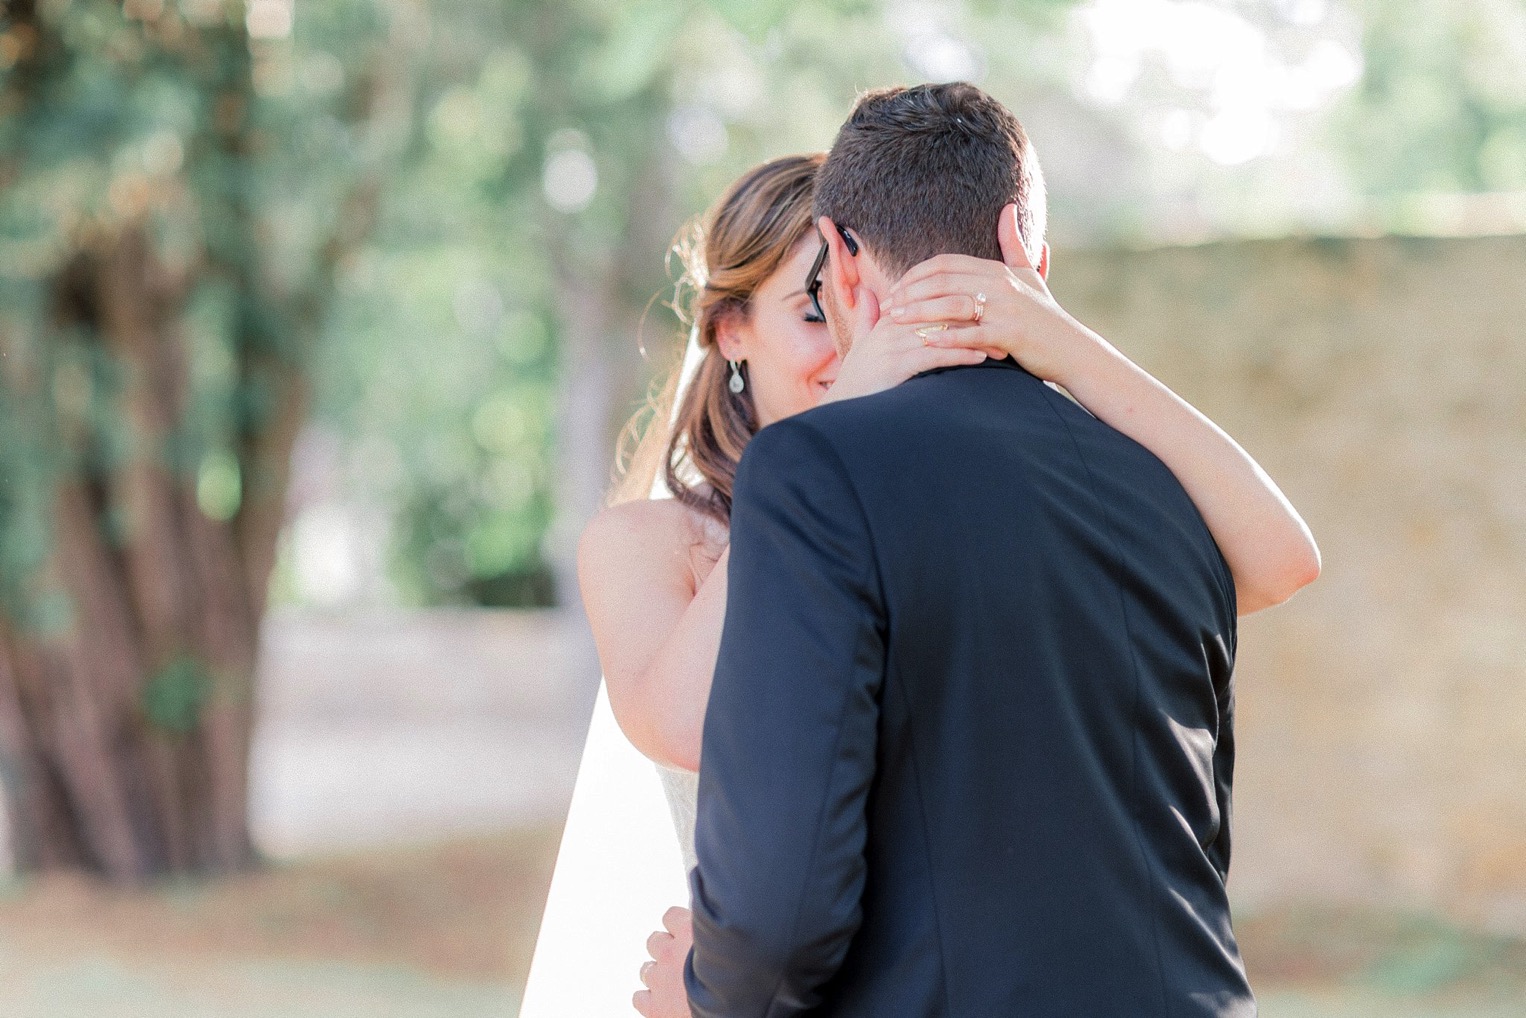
x: 726, y: 255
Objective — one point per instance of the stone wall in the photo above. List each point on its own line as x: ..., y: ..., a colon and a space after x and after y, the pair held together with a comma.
x: 1382, y: 712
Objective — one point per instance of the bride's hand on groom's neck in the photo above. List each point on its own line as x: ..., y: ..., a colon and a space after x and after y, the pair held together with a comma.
x: 887, y: 356
x: 999, y: 307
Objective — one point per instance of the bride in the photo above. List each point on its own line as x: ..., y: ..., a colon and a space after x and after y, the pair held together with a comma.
x: 652, y: 566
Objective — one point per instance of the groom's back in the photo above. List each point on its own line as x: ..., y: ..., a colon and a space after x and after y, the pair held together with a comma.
x: 1048, y: 827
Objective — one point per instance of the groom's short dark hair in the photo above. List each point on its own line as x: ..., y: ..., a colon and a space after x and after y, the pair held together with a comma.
x: 922, y: 171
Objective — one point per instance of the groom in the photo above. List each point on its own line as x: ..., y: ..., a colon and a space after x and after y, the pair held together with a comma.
x: 969, y: 745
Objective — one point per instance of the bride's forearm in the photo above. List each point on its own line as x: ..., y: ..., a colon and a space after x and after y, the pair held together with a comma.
x: 675, y: 686
x: 1268, y: 546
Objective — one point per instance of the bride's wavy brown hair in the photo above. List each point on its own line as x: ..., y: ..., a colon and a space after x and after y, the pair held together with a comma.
x: 726, y: 255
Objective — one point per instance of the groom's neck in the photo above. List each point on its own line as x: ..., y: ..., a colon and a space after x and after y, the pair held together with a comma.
x: 875, y: 280
x: 874, y: 288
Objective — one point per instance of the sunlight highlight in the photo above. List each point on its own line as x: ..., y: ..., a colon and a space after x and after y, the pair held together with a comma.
x: 1211, y: 49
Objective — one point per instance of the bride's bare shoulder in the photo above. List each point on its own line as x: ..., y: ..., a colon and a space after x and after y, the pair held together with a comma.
x: 654, y: 539
x: 645, y: 521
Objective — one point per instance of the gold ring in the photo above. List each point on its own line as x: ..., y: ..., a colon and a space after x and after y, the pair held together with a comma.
x: 980, y: 307
x: 924, y: 330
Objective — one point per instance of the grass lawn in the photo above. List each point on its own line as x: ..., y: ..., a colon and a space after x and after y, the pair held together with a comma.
x: 430, y: 932
x: 446, y: 930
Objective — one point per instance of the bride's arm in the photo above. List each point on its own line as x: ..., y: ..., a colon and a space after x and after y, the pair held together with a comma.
x: 656, y: 634
x: 1268, y: 546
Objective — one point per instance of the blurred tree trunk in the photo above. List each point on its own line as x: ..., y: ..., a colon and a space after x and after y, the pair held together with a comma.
x: 128, y: 647
x: 127, y: 729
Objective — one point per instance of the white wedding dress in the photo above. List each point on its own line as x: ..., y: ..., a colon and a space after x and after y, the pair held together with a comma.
x: 624, y: 861
x: 620, y: 867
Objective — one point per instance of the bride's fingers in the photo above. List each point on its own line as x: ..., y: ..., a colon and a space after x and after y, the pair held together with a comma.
x: 945, y: 284
x: 984, y: 349
x: 952, y: 264
x: 968, y: 337
x: 960, y: 307
x: 929, y: 357
x: 892, y: 337
x: 910, y: 335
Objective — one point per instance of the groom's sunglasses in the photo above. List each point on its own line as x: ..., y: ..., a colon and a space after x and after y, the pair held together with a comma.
x: 813, y: 280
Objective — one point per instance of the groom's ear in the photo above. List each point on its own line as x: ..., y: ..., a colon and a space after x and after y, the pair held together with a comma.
x: 1013, y: 251
x: 841, y: 270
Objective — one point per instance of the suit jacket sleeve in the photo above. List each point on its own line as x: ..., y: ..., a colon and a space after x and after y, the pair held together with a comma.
x: 790, y: 736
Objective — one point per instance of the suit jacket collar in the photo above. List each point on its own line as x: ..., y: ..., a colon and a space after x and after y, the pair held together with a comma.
x: 1005, y: 364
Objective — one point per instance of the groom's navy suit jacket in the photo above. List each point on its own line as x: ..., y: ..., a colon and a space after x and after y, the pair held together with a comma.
x: 969, y: 745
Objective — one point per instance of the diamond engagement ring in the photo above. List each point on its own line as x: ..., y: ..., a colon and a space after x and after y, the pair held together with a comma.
x: 980, y: 307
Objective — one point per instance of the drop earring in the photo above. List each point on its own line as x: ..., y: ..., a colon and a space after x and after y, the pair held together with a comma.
x: 738, y: 383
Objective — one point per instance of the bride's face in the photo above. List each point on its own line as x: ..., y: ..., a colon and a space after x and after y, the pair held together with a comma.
x: 791, y: 361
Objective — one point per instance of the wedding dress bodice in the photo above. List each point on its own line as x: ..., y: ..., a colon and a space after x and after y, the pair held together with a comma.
x: 683, y: 799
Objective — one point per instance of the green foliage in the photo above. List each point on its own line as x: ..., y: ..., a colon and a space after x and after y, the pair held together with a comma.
x: 219, y: 486
x: 753, y: 19
x: 445, y: 329
x: 1442, y: 105
x: 237, y: 161
x: 174, y: 696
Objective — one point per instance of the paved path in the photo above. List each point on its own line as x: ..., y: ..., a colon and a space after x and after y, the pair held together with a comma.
x: 396, y: 726
x: 106, y: 987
